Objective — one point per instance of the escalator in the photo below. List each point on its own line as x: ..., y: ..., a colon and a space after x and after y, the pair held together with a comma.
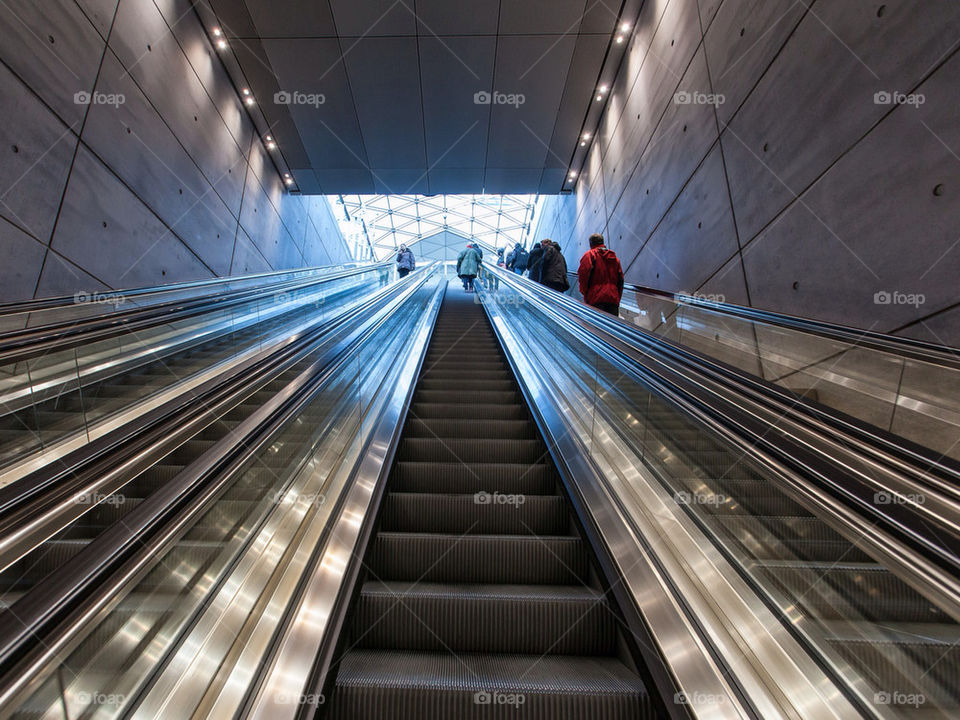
x: 100, y: 511
x: 479, y: 589
x: 64, y: 408
x: 871, y: 623
x: 105, y: 511
x: 271, y: 489
x: 553, y: 530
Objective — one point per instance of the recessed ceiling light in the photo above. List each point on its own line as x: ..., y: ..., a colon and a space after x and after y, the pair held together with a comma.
x: 289, y: 181
x: 246, y: 91
x: 619, y: 39
x: 573, y: 174
x: 249, y: 100
x: 222, y: 44
x: 583, y: 143
x: 217, y: 32
x: 625, y: 27
x: 586, y: 136
x: 603, y: 88
x: 599, y: 98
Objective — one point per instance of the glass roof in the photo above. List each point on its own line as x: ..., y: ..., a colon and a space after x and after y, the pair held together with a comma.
x: 382, y: 222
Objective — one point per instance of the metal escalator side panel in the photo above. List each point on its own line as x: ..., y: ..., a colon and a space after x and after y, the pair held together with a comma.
x: 725, y: 649
x: 101, y: 602
x: 479, y: 590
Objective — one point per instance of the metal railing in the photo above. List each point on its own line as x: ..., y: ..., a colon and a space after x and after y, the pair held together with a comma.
x: 671, y: 466
x: 899, y: 385
x: 277, y: 506
x: 62, y: 387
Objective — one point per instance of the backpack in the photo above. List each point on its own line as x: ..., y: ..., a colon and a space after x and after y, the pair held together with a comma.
x: 520, y: 259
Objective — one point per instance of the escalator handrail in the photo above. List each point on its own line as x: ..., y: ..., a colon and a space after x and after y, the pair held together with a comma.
x: 31, y: 497
x: 80, y: 586
x: 28, y: 306
x: 907, y: 456
x: 933, y: 561
x: 22, y: 345
x: 369, y: 480
x: 684, y: 632
x: 922, y: 350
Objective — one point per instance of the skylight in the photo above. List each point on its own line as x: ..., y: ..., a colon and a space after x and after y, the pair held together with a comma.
x: 378, y: 224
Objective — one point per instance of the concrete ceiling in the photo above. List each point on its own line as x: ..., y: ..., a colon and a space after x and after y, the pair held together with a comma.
x: 387, y: 89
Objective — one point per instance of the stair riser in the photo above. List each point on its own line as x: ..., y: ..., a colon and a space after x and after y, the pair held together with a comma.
x: 488, y: 477
x: 389, y: 704
x: 541, y: 561
x: 480, y: 514
x: 493, y: 625
x: 471, y: 451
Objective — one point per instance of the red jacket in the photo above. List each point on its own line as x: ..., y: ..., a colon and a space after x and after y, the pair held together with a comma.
x: 600, y: 276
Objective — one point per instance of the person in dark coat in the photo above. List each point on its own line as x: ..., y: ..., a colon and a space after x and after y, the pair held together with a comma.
x: 533, y: 262
x: 517, y: 259
x: 405, y: 261
x: 601, y: 277
x: 553, y: 268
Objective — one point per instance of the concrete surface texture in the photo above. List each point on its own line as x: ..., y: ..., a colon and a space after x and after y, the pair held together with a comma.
x: 802, y: 157
x: 129, y: 160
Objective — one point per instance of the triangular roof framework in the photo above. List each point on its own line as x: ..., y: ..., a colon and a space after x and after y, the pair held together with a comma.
x: 391, y: 220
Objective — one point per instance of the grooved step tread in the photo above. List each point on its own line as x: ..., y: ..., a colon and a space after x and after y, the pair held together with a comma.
x: 480, y: 513
x: 570, y: 620
x: 450, y: 428
x: 456, y: 558
x: 478, y: 585
x: 519, y: 673
x: 476, y: 450
x: 467, y: 410
x: 382, y: 685
x: 427, y: 477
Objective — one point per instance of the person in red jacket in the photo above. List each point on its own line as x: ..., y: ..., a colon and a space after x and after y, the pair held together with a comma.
x: 601, y: 277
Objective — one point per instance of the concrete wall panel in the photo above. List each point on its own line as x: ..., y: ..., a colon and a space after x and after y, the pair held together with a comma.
x: 247, y: 258
x: 873, y: 224
x: 100, y: 14
x: 54, y: 49
x: 694, y: 237
x: 708, y: 11
x: 37, y: 153
x: 165, y: 168
x: 194, y: 41
x: 795, y: 107
x: 728, y: 284
x: 680, y: 143
x: 61, y: 277
x: 671, y: 51
x: 23, y: 260
x: 875, y: 211
x: 142, y: 41
x: 107, y: 230
x: 151, y: 161
x: 741, y: 43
